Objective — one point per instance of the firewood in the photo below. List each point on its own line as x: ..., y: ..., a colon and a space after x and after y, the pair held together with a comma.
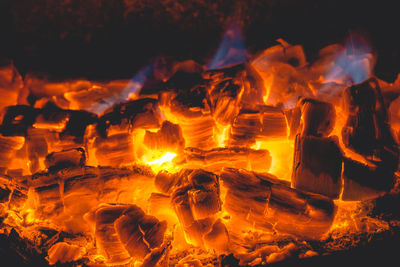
x: 140, y: 113
x: 49, y: 200
x: 260, y: 123
x: 367, y: 129
x: 5, y: 190
x: 115, y: 150
x: 217, y: 158
x: 8, y: 147
x: 107, y: 239
x: 218, y: 237
x: 63, y: 252
x: 196, y: 202
x: 66, y: 158
x: 318, y: 117
x: 168, y: 138
x: 268, y: 203
x: 125, y: 231
x: 317, y: 165
x: 362, y: 182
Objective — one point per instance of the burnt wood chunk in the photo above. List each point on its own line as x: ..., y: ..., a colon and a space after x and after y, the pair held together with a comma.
x: 196, y: 203
x: 218, y: 237
x: 63, y: 252
x: 363, y: 182
x: 106, y: 236
x: 125, y: 231
x: 114, y: 150
x: 239, y: 157
x: 5, y: 190
x: 65, y: 158
x: 367, y: 130
x: 140, y: 113
x: 8, y: 146
x: 259, y: 123
x: 317, y: 165
x: 168, y: 138
x: 318, y: 117
x: 262, y: 201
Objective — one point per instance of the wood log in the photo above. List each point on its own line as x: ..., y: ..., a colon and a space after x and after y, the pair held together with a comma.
x: 367, y: 130
x: 65, y: 158
x: 195, y: 203
x: 168, y: 138
x: 362, y: 182
x: 8, y: 147
x: 218, y: 237
x: 259, y: 123
x: 267, y: 203
x: 317, y: 165
x: 63, y: 252
x: 140, y: 113
x: 114, y: 150
x: 125, y: 231
x: 69, y: 187
x: 217, y: 158
x: 318, y: 117
x: 107, y: 239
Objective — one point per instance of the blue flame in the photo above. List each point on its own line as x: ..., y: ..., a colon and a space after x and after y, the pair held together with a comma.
x: 133, y: 87
x: 232, y: 49
x: 354, y: 64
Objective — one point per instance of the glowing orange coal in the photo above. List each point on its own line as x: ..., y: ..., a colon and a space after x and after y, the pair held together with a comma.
x: 261, y: 157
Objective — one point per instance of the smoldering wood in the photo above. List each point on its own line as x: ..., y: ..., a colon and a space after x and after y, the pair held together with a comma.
x: 140, y: 113
x: 106, y: 236
x: 125, y: 231
x: 114, y: 150
x: 218, y: 237
x: 269, y: 203
x: 66, y: 158
x: 293, y: 117
x: 258, y: 123
x: 168, y: 138
x: 196, y: 202
x: 362, y: 182
x: 8, y: 147
x: 317, y: 165
x: 318, y: 117
x: 217, y: 158
x: 63, y: 190
x: 19, y: 118
x: 224, y: 100
x: 5, y: 190
x: 367, y: 130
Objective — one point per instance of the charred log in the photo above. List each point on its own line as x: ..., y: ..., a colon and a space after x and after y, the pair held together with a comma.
x: 125, y: 231
x: 239, y: 157
x: 317, y: 165
x: 168, y: 138
x: 268, y: 203
x: 261, y: 123
x: 363, y: 182
x: 367, y: 129
x: 141, y: 113
x: 64, y: 159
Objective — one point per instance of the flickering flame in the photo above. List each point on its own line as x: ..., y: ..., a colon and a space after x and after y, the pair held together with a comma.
x: 162, y: 163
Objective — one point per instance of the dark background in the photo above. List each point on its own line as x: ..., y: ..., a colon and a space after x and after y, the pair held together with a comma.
x: 109, y: 39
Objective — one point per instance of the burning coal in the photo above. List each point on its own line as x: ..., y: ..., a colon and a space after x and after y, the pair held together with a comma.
x: 249, y: 160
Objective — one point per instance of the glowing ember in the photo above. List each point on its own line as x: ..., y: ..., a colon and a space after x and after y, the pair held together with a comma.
x: 249, y: 159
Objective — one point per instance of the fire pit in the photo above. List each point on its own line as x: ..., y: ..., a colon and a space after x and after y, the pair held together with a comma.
x: 251, y: 157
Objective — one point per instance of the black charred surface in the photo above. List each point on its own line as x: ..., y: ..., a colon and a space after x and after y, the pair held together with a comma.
x: 125, y: 111
x: 19, y: 118
x: 367, y: 130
